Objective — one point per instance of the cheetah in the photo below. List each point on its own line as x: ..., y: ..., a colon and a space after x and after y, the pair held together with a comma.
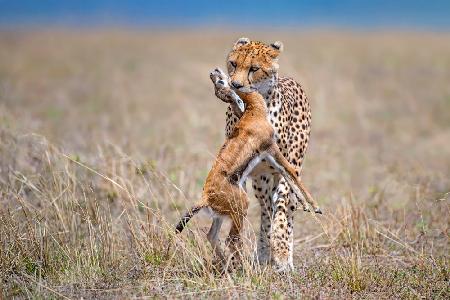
x: 251, y: 141
x: 253, y: 66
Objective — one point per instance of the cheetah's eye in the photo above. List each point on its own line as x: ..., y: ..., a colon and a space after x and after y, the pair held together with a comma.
x: 233, y: 64
x: 254, y: 69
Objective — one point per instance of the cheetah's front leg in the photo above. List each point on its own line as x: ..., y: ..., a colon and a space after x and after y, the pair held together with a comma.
x: 281, y: 235
x: 263, y: 192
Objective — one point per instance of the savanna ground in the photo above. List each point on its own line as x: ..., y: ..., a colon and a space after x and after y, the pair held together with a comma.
x: 107, y: 136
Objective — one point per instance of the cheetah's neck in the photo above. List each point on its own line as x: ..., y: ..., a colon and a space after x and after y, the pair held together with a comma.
x: 268, y: 88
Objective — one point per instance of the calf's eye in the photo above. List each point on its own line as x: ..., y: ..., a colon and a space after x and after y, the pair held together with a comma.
x: 254, y: 69
x: 233, y: 64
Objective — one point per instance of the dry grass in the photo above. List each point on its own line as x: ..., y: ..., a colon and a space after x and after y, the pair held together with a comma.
x: 105, y: 137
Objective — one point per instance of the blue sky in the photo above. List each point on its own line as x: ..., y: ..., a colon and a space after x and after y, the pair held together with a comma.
x: 413, y: 14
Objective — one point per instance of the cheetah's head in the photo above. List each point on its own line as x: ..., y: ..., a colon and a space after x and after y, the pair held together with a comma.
x: 253, y: 65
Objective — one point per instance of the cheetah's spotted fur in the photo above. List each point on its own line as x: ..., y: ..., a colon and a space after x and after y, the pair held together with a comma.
x: 253, y: 65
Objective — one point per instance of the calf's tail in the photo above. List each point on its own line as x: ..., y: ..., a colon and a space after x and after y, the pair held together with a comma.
x: 187, y: 216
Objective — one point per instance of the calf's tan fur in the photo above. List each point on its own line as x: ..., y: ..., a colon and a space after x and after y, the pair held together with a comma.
x: 251, y: 141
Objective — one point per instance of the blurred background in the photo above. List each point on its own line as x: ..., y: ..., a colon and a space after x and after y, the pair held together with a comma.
x: 108, y: 123
x: 416, y: 14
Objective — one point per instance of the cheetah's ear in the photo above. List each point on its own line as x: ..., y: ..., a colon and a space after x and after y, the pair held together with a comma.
x: 240, y: 42
x: 278, y: 46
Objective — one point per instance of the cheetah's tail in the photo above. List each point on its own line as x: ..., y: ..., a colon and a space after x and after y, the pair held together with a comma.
x: 187, y: 216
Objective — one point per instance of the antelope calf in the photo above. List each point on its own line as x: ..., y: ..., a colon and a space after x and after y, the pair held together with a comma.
x: 251, y: 142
